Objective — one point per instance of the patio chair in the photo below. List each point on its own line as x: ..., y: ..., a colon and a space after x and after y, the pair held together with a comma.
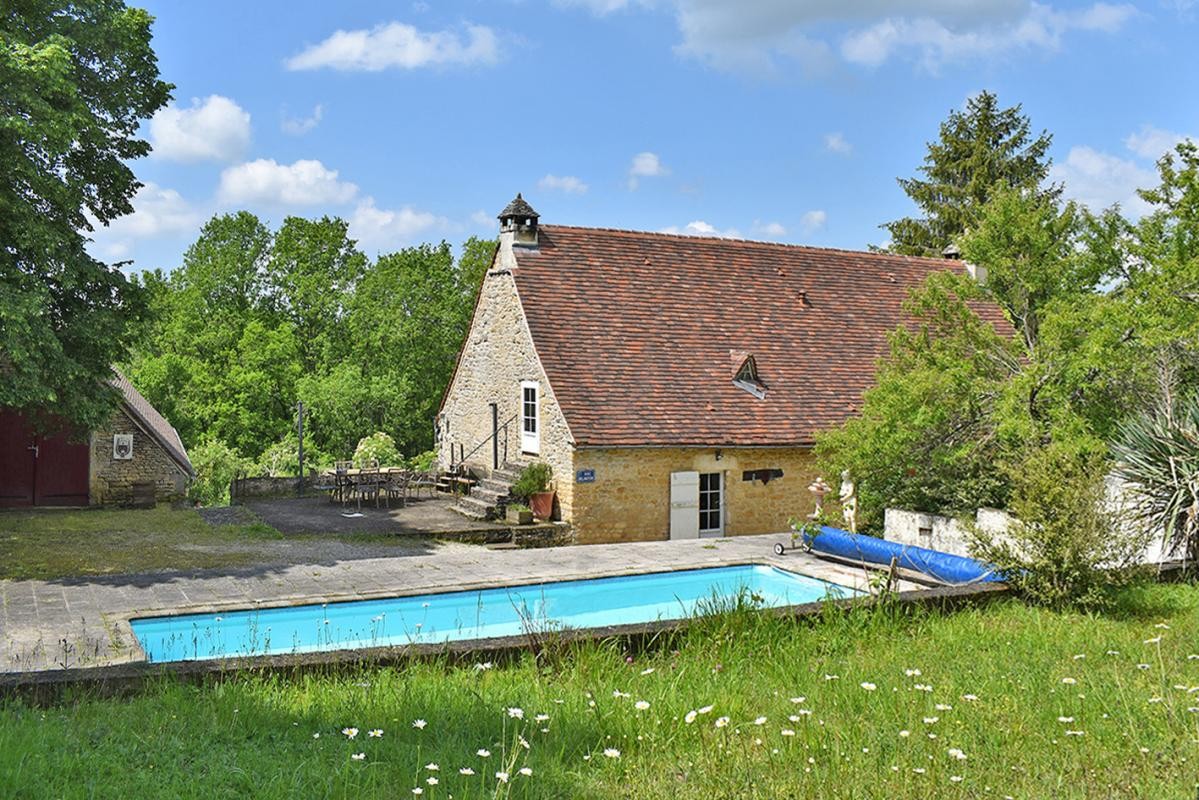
x: 343, y: 483
x: 370, y: 484
x: 397, y: 486
x: 423, y: 480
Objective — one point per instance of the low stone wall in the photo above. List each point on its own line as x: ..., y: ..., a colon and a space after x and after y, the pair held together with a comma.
x: 267, y: 486
x: 948, y: 534
x: 935, y: 532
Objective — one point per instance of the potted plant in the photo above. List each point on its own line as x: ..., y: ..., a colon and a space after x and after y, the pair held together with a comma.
x: 533, y: 487
x: 519, y: 514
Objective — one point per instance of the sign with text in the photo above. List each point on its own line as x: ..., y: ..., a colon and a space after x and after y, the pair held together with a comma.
x: 585, y: 476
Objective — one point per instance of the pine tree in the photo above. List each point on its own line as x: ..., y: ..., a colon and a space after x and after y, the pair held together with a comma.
x: 980, y: 149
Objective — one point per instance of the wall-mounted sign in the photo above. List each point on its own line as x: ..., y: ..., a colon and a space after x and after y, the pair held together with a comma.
x: 585, y: 476
x: 122, y: 446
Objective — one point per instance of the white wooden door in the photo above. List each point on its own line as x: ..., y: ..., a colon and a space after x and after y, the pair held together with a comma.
x: 684, y: 505
x: 530, y: 420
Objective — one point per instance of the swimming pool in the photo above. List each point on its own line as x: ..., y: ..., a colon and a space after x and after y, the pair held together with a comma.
x: 478, y: 614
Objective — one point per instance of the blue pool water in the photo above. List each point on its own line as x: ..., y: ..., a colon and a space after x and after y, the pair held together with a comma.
x: 438, y: 618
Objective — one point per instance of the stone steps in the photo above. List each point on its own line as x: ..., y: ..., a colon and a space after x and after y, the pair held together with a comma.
x: 474, y: 507
x: 490, y: 496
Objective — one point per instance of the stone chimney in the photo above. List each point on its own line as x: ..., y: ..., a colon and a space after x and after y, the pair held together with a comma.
x: 973, y: 270
x: 518, y: 222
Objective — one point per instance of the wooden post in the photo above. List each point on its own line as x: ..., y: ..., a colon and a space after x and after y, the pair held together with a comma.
x: 300, y: 430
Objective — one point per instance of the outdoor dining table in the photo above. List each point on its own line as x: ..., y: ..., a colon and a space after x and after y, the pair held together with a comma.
x: 353, y: 483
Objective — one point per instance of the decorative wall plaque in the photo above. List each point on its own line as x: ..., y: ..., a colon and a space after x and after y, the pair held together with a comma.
x: 122, y: 446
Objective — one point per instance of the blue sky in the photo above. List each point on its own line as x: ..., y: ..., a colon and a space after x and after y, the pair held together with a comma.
x: 786, y: 120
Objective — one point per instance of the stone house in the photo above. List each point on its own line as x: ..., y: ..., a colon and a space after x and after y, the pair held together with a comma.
x: 135, y: 456
x: 674, y: 383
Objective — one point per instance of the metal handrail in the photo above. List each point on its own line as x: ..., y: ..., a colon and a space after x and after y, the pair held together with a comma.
x: 454, y: 467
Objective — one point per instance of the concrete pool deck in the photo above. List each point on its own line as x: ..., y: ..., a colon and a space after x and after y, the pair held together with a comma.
x: 84, y: 622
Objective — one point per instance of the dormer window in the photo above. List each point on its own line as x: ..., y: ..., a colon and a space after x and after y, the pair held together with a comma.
x: 746, y: 378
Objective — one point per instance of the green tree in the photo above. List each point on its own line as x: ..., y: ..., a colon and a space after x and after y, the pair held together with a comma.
x: 963, y: 396
x: 981, y: 148
x: 409, y: 316
x: 78, y: 78
x: 314, y: 267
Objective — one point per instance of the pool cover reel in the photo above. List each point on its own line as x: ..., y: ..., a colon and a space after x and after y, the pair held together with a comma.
x: 944, y: 567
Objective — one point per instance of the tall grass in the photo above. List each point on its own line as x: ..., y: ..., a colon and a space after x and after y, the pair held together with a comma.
x: 890, y: 702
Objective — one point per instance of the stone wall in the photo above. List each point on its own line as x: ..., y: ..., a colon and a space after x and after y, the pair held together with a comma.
x: 268, y: 486
x: 112, y: 479
x: 948, y: 534
x: 629, y: 499
x: 498, y: 355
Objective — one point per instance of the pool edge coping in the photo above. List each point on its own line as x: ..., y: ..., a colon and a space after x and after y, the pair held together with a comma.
x: 131, y: 674
x: 123, y: 619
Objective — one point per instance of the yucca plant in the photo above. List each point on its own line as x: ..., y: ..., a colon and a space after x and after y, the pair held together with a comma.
x: 1157, y: 454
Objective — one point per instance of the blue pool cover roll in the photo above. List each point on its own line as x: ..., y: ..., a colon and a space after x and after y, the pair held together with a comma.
x: 944, y: 567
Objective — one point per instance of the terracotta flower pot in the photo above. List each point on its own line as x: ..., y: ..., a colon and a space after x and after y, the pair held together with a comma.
x: 542, y: 504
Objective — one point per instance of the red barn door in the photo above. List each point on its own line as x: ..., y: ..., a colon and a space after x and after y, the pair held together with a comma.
x: 46, y: 470
x: 17, y: 460
x: 62, y: 471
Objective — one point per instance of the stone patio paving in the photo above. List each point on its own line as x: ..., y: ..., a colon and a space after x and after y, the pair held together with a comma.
x: 426, y: 516
x: 82, y: 622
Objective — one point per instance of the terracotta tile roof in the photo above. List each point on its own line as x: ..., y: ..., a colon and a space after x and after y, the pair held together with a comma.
x: 637, y: 333
x: 153, y: 422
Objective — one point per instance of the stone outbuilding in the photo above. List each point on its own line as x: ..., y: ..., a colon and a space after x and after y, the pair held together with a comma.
x: 674, y: 384
x: 135, y: 457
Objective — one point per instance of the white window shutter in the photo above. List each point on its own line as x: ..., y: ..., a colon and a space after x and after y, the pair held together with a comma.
x: 684, y: 505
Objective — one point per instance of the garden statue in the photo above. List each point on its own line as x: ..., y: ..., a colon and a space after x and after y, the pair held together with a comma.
x: 819, y: 488
x: 849, y: 502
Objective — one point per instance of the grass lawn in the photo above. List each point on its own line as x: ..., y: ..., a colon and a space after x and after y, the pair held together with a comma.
x: 994, y: 702
x: 49, y: 544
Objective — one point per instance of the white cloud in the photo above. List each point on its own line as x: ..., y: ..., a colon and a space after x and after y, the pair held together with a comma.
x: 382, y: 228
x: 306, y: 182
x: 396, y: 45
x: 481, y: 219
x: 769, y: 230
x: 562, y: 183
x: 298, y: 126
x: 836, y: 143
x: 932, y: 42
x: 701, y: 228
x: 597, y: 7
x: 1097, y: 180
x: 813, y: 221
x: 156, y: 212
x: 1152, y: 143
x: 761, y: 35
x: 645, y: 165
x: 212, y: 129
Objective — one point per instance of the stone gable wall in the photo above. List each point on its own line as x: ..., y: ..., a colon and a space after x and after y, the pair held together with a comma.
x: 629, y: 500
x: 112, y: 479
x: 498, y: 354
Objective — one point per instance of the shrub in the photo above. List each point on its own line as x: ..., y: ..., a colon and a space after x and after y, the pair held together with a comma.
x: 216, y: 465
x: 533, y: 479
x: 1158, y: 457
x: 1065, y: 545
x: 377, y: 447
x: 423, y: 462
x: 282, y: 459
